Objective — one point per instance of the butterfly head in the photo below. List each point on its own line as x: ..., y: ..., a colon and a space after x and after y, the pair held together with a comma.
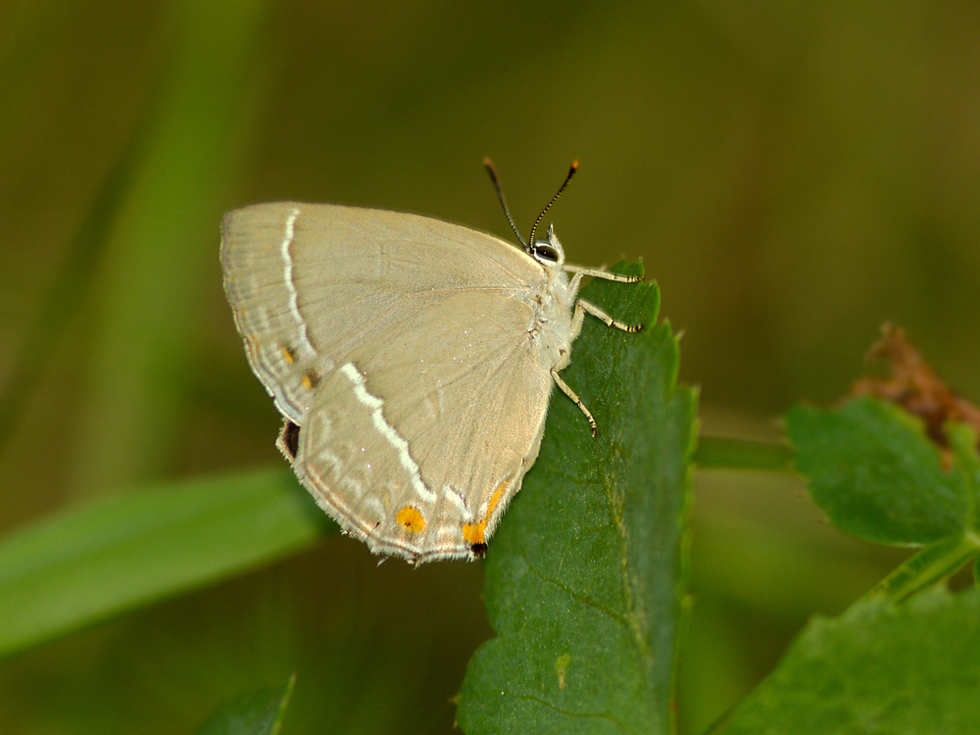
x: 548, y: 252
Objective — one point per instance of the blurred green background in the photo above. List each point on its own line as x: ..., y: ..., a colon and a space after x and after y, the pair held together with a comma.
x: 792, y: 174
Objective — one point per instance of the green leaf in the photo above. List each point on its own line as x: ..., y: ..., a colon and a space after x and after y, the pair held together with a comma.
x: 253, y: 713
x: 943, y: 558
x: 584, y: 577
x: 880, y: 668
x: 99, y: 559
x: 877, y: 476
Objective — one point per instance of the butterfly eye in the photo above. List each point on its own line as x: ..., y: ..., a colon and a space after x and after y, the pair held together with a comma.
x: 544, y: 253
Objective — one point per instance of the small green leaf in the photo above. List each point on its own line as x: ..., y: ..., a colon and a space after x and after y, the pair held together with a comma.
x: 877, y: 476
x: 253, y: 713
x: 99, y: 559
x: 880, y: 668
x: 585, y: 574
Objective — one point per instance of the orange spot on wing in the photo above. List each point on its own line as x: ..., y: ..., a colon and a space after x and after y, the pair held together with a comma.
x: 475, y: 533
x: 411, y: 519
x: 311, y: 379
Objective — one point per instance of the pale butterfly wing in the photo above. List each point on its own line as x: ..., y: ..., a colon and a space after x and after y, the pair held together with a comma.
x: 403, y: 348
x: 426, y: 472
x: 341, y: 273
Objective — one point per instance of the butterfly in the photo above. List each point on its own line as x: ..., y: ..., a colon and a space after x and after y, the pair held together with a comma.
x: 412, y: 360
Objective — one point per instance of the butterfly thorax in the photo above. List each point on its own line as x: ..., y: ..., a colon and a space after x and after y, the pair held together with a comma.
x: 552, y: 303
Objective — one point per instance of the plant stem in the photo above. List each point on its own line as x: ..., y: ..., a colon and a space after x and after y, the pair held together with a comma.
x: 933, y: 564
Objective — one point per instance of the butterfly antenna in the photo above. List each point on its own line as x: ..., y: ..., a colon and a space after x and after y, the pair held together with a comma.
x: 534, y: 227
x: 488, y: 165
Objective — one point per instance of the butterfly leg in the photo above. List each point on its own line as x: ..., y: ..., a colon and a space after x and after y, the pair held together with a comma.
x: 581, y: 272
x: 582, y: 308
x: 575, y: 399
x: 585, y: 307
